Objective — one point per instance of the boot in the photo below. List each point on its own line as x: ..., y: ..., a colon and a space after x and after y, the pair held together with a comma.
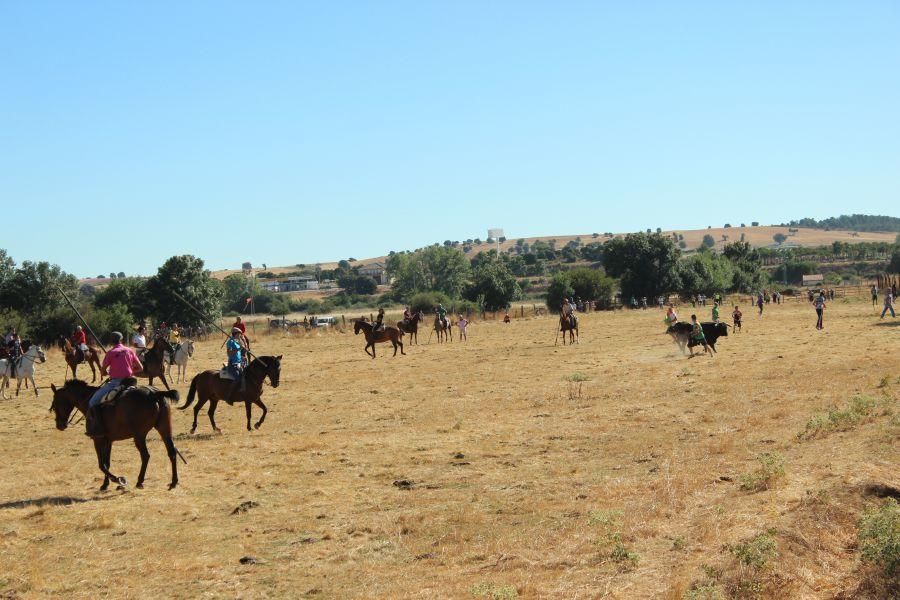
x: 94, y: 422
x: 229, y: 398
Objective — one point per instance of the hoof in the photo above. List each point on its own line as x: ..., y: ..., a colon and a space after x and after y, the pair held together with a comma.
x: 256, y: 426
x: 104, y: 487
x: 140, y: 486
x: 193, y: 429
x: 217, y: 430
x: 173, y: 485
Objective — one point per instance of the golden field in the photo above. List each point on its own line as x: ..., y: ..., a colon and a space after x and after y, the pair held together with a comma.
x: 608, y: 469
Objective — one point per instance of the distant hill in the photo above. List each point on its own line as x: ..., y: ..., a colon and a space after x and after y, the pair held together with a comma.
x: 758, y: 236
x: 853, y: 222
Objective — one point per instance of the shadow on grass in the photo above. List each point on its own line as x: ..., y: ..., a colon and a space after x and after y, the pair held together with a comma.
x: 50, y: 501
x: 889, y: 323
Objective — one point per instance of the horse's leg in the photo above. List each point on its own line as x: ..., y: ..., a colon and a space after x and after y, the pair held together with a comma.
x: 18, y: 386
x: 104, y: 454
x: 401, y: 348
x: 162, y: 376
x: 93, y: 372
x: 248, y: 405
x: 212, y: 414
x: 197, y: 407
x: 74, y: 368
x: 173, y: 456
x: 33, y: 384
x: 140, y: 441
x: 265, y: 410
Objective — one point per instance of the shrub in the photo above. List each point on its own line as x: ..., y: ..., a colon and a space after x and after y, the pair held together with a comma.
x: 493, y: 591
x: 879, y: 532
x: 757, y: 552
x: 858, y: 410
x: 710, y: 591
x: 771, y: 469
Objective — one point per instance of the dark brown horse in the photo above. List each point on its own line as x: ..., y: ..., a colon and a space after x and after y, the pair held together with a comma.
x: 443, y: 329
x: 388, y: 334
x: 134, y: 414
x: 154, y: 360
x: 209, y: 386
x: 411, y: 327
x: 91, y: 357
x: 569, y: 323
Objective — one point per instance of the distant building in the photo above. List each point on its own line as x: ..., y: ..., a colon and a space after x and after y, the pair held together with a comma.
x: 817, y: 279
x: 291, y: 284
x: 376, y: 271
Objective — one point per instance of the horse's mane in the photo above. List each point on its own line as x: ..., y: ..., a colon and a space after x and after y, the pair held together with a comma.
x: 76, y: 384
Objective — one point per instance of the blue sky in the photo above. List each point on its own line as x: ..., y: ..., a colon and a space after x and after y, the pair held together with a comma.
x: 286, y: 132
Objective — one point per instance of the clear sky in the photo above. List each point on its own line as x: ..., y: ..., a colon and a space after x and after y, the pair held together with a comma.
x: 287, y: 132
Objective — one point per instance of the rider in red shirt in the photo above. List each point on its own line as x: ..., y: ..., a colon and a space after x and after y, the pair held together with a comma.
x: 79, y: 340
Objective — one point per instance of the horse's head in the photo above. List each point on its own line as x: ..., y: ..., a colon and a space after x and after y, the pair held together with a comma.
x: 66, y: 398
x: 273, y: 369
x: 357, y: 326
x: 164, y: 344
x: 37, y: 353
x: 189, y: 347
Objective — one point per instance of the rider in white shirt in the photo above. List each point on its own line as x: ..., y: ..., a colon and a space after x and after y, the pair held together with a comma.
x: 139, y: 341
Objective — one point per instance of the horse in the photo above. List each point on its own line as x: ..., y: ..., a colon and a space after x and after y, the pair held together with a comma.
x: 569, y: 323
x: 443, y: 329
x: 24, y: 370
x: 184, y: 351
x: 135, y: 413
x: 154, y: 360
x: 91, y: 357
x: 388, y: 334
x: 209, y: 386
x: 411, y: 326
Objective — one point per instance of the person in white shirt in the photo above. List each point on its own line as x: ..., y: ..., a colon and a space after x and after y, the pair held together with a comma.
x: 139, y: 342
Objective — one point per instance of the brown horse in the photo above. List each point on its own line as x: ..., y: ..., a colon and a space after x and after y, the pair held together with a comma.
x: 154, y: 360
x: 388, y: 334
x: 211, y: 387
x: 134, y: 414
x: 91, y: 357
x: 443, y: 329
x: 411, y: 327
x: 569, y: 323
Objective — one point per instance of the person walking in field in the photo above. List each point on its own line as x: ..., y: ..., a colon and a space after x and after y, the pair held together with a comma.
x: 888, y: 302
x: 462, y: 323
x: 819, y: 304
x: 715, y: 312
x: 874, y: 295
x: 736, y: 316
x: 759, y: 303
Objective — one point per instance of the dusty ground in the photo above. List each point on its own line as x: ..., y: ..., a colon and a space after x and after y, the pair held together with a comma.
x: 521, y: 479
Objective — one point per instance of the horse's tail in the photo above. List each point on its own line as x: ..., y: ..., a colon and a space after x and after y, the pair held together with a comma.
x: 163, y: 395
x: 191, y: 393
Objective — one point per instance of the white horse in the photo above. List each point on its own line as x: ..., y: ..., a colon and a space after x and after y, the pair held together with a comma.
x: 182, y: 355
x: 24, y: 370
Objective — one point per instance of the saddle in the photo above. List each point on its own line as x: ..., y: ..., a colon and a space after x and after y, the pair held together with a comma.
x: 129, y: 383
x: 227, y: 375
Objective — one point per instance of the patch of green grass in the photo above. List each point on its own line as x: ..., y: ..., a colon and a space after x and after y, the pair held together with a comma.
x: 771, y: 469
x: 494, y: 591
x: 757, y: 552
x: 879, y: 532
x: 678, y: 543
x: 607, y: 518
x: 709, y: 591
x: 577, y: 377
x: 620, y: 553
x: 858, y: 410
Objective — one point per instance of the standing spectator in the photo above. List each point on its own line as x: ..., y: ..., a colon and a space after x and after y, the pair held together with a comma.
x: 819, y: 303
x: 888, y: 302
x: 759, y: 303
x: 715, y: 312
x: 736, y: 318
x: 462, y: 323
x: 874, y: 295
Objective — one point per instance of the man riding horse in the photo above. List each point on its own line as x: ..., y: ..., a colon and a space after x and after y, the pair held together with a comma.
x: 79, y: 342
x: 442, y: 315
x: 234, y: 347
x: 119, y: 364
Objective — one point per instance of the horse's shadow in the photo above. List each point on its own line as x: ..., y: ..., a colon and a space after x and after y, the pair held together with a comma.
x: 50, y: 501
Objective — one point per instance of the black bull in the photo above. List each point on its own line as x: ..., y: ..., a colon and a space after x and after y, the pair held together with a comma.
x: 681, y: 334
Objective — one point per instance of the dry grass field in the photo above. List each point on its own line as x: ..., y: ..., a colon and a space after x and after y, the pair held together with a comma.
x: 499, y: 468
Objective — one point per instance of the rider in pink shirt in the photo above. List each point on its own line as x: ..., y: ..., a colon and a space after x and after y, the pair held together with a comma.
x: 119, y: 363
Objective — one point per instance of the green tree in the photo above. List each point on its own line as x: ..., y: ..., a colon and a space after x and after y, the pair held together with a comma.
x: 560, y: 288
x: 591, y: 284
x: 706, y: 273
x: 31, y: 289
x: 185, y: 275
x: 494, y: 285
x: 446, y: 270
x: 647, y: 264
x: 130, y: 292
x: 709, y: 241
x: 779, y: 238
x: 236, y: 288
x: 747, y: 263
x: 894, y: 265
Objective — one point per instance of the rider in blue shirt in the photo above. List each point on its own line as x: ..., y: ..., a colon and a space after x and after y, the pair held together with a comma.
x: 235, y: 364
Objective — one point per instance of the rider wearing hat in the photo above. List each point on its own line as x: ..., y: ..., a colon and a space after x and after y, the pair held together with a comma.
x: 235, y: 349
x: 119, y: 363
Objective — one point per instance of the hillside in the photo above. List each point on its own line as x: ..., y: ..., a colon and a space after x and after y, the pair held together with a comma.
x: 761, y: 236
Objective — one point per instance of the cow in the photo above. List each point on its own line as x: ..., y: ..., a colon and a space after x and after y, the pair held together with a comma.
x: 681, y: 334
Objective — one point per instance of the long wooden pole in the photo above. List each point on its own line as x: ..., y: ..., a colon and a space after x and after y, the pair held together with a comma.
x: 209, y: 321
x: 88, y: 327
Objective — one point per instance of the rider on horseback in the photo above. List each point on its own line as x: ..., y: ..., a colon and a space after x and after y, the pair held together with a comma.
x: 407, y: 316
x: 79, y: 341
x: 122, y: 362
x: 139, y: 341
x: 379, y: 321
x: 442, y: 315
x: 235, y: 348
x: 15, y: 352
